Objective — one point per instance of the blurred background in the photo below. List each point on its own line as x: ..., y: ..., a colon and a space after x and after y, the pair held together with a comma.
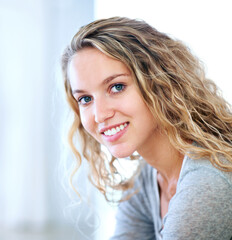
x: 35, y: 201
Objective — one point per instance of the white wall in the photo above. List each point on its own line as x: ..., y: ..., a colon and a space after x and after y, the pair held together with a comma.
x: 33, y: 35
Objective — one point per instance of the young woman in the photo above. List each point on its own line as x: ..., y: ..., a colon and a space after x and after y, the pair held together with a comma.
x: 134, y: 89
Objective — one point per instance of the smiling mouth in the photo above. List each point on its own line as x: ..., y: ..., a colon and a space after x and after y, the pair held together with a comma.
x: 113, y: 131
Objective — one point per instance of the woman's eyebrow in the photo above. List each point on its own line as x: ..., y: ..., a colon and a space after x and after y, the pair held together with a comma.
x: 104, y: 82
x: 110, y: 78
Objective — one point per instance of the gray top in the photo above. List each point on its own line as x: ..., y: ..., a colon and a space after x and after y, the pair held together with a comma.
x: 201, y: 209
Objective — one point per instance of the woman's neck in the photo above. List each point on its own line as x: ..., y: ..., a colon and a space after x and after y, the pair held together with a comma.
x: 161, y: 155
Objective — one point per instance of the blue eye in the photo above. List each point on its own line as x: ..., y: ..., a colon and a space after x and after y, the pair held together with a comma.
x: 117, y: 88
x: 84, y: 100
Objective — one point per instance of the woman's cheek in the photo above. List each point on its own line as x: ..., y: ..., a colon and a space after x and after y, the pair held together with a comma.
x: 86, y: 121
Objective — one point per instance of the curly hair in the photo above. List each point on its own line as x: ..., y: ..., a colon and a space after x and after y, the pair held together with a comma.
x: 173, y: 85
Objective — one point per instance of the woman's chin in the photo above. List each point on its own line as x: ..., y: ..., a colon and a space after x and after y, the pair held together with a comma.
x: 120, y: 150
x: 121, y: 154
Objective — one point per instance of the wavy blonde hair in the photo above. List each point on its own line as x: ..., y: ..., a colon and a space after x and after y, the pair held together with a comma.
x: 173, y: 84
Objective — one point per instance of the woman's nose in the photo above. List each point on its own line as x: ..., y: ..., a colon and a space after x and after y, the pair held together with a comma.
x: 103, y: 110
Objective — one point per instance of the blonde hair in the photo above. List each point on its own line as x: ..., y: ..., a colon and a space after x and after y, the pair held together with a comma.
x: 173, y: 84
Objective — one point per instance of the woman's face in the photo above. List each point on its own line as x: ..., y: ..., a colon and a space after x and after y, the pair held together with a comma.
x: 111, y: 107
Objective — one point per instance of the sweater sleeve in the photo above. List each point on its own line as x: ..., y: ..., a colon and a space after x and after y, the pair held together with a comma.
x: 134, y: 218
x: 201, y: 208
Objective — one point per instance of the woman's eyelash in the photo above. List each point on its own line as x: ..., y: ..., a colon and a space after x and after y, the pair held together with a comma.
x: 118, y: 87
x: 84, y: 100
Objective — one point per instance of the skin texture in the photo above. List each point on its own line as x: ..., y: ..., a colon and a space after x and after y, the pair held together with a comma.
x: 108, y: 97
x: 94, y: 73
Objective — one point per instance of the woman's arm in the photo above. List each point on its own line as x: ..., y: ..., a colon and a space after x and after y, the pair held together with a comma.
x: 134, y: 219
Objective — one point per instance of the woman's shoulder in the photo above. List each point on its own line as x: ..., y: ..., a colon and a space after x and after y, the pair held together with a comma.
x: 201, y: 190
x: 201, y: 171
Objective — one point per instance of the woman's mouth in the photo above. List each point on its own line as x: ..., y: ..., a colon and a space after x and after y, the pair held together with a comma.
x: 116, y: 132
x: 113, y: 131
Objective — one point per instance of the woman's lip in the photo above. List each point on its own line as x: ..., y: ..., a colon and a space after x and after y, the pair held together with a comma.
x: 117, y: 135
x: 102, y: 130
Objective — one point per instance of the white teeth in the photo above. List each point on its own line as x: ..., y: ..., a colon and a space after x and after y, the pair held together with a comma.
x: 113, y: 131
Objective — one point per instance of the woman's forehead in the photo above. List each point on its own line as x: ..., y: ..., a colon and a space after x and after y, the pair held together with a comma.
x: 91, y: 65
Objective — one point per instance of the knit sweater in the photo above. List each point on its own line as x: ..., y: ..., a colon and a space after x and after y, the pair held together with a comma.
x: 201, y: 208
